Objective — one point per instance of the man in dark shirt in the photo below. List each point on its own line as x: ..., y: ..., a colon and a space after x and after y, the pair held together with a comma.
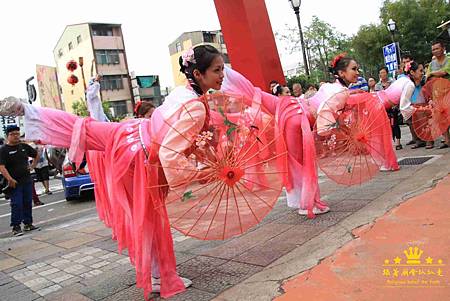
x: 15, y: 168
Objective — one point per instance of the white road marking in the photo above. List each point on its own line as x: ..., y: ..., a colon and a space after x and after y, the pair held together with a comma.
x: 38, y: 207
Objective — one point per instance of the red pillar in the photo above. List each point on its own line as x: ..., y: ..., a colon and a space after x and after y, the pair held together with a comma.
x: 250, y: 41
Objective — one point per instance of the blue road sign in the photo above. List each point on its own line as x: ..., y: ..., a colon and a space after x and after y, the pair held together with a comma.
x: 390, y: 57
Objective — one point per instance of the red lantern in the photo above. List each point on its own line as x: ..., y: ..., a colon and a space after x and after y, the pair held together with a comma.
x: 71, y: 65
x: 72, y: 79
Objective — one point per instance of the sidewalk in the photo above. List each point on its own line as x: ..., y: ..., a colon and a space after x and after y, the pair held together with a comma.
x: 79, y: 260
x: 374, y: 266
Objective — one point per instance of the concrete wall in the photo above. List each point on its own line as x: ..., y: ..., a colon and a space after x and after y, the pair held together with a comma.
x: 101, y: 42
x: 112, y: 69
x: 122, y: 94
x: 70, y: 93
x: 188, y: 40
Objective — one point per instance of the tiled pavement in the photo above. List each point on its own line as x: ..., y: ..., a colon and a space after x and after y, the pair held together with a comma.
x: 79, y: 261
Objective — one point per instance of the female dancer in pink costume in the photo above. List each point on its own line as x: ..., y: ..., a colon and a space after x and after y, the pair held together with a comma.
x: 332, y: 97
x: 301, y: 181
x: 132, y: 150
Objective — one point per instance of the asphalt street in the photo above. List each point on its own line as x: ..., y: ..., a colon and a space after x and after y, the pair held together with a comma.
x: 55, y: 210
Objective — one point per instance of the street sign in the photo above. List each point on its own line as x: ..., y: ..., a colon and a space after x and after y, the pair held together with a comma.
x: 390, y: 57
x: 9, y: 120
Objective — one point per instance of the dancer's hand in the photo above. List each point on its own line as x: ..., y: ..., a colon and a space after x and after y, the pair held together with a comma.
x: 11, y: 106
x: 204, y: 175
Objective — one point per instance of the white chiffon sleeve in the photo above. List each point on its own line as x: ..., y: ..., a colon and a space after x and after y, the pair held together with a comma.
x: 405, y: 101
x: 178, y: 169
x: 236, y: 83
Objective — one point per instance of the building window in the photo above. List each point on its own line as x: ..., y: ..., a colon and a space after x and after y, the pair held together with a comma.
x: 111, y: 82
x: 107, y: 57
x: 102, y: 32
x: 178, y: 46
x: 119, y: 108
x: 70, y: 46
x: 79, y: 39
x: 221, y: 41
x: 60, y: 53
x: 208, y: 37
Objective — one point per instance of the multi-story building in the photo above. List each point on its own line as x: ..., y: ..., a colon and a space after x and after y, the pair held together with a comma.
x: 146, y: 88
x: 192, y: 39
x: 101, y: 49
x: 293, y: 70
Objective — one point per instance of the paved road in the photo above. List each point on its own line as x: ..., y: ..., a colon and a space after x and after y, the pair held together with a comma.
x: 55, y: 210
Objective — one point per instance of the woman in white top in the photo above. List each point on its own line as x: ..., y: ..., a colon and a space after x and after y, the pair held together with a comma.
x: 405, y: 86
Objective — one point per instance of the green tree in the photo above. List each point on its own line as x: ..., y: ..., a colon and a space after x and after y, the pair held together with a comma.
x: 322, y: 43
x: 302, y: 80
x: 79, y: 108
x: 366, y: 48
x: 416, y: 23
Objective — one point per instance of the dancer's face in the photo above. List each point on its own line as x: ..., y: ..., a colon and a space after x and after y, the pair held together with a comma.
x: 286, y: 92
x: 213, y: 76
x: 351, y: 73
x: 149, y: 113
x: 418, y: 74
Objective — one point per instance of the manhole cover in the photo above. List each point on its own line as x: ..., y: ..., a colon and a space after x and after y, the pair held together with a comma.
x: 414, y: 160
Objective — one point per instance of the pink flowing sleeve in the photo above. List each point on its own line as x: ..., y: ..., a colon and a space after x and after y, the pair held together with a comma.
x: 178, y: 169
x: 236, y: 83
x: 62, y: 129
x: 325, y: 115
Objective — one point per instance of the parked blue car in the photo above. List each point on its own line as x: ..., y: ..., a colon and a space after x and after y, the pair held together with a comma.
x: 77, y: 183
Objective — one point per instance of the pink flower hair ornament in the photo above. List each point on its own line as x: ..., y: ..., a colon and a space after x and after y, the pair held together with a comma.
x: 188, y: 57
x: 337, y: 58
x: 407, y: 66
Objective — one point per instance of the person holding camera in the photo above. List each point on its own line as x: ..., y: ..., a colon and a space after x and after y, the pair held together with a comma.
x: 16, y: 170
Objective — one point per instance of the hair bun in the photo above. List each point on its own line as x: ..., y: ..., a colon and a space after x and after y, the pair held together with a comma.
x: 182, y: 67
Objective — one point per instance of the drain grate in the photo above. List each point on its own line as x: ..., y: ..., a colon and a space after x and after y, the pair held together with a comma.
x: 414, y: 160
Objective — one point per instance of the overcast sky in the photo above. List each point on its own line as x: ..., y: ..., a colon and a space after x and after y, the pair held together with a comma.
x: 30, y: 29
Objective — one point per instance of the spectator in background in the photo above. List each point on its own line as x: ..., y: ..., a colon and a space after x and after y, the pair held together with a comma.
x: 406, y: 59
x: 42, y: 169
x: 440, y: 67
x: 297, y: 90
x: 384, y: 81
x: 279, y: 90
x: 361, y: 84
x: 371, y: 83
x: 14, y: 167
x: 272, y: 85
x: 310, y: 91
x: 35, y: 197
